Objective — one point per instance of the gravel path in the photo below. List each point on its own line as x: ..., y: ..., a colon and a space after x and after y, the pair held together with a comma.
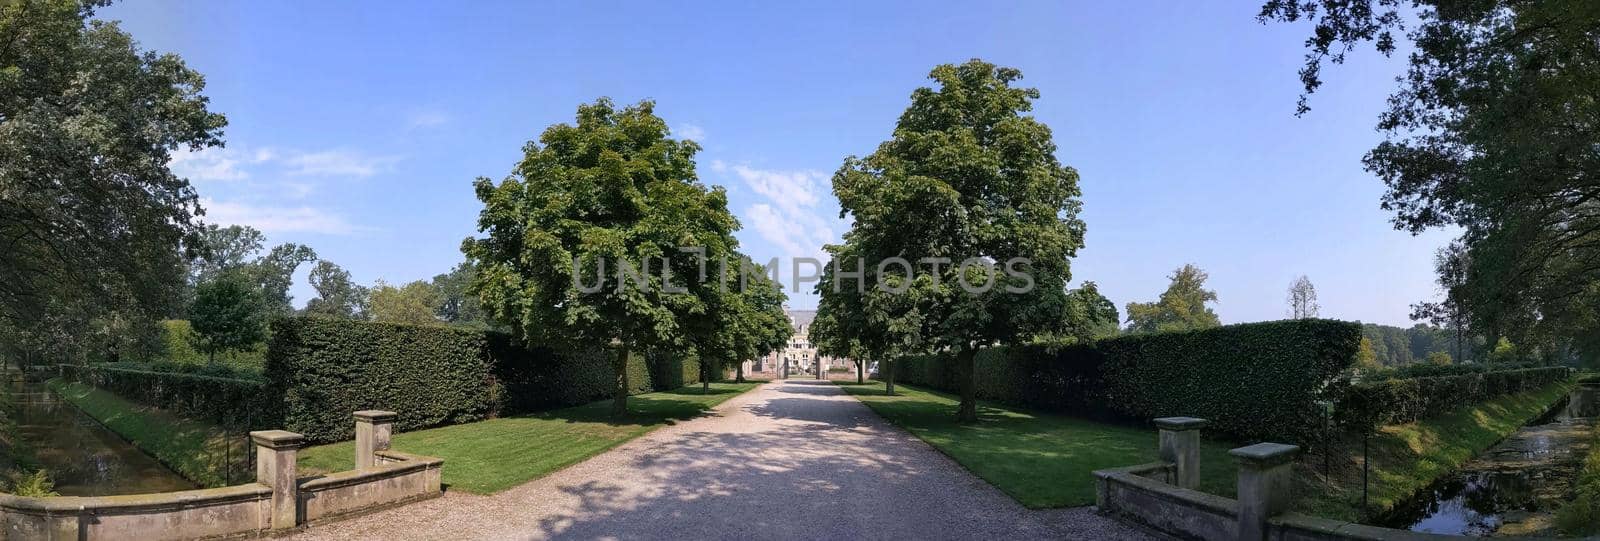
x: 789, y: 460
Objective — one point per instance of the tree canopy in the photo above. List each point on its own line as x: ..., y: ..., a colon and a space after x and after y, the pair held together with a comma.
x: 1181, y: 307
x: 227, y: 314
x: 609, y: 200
x: 968, y: 183
x: 337, y: 294
x: 414, y: 303
x: 1494, y: 129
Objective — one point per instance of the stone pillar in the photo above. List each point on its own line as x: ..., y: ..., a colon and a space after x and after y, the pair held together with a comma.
x: 1265, y: 483
x: 1180, y: 445
x: 276, y: 458
x: 373, y: 428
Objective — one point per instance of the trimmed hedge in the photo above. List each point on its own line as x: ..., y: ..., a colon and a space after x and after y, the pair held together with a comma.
x: 231, y: 401
x: 324, y: 369
x: 1254, y: 381
x: 1369, y: 404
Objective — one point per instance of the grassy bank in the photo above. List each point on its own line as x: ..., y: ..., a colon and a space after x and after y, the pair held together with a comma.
x: 195, y: 449
x: 1409, y: 457
x: 1038, y: 459
x: 493, y: 455
x: 1581, y: 516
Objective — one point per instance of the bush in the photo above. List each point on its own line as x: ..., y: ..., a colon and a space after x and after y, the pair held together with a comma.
x: 1255, y: 381
x: 199, y: 392
x: 1368, y: 404
x: 323, y: 369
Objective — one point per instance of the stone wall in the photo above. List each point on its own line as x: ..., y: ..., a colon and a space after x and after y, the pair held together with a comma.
x: 278, y: 501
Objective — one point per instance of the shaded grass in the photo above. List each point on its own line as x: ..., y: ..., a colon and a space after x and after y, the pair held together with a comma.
x: 1410, y: 457
x: 196, y: 449
x: 493, y: 455
x: 1041, y: 460
x: 1581, y: 516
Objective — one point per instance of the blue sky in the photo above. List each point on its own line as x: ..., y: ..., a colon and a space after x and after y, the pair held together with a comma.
x: 357, y: 128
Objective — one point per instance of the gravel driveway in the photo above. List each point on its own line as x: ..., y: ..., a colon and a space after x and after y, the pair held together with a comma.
x: 794, y: 459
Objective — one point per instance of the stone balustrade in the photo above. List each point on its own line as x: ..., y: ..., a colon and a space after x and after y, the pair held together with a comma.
x: 278, y: 501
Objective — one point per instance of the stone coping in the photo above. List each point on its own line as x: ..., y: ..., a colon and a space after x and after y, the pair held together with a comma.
x: 375, y: 416
x: 1139, y: 470
x: 1195, y: 498
x: 278, y: 439
x: 1340, y: 529
x: 1265, y: 454
x: 404, y: 464
x: 1181, y: 423
x: 136, y: 502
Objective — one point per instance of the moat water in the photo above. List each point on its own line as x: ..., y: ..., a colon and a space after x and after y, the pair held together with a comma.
x: 1512, y: 488
x: 81, y: 456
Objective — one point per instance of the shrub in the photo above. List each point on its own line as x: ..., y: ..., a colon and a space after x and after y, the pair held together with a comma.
x: 199, y: 392
x: 1253, y: 381
x: 323, y: 369
x: 1369, y: 404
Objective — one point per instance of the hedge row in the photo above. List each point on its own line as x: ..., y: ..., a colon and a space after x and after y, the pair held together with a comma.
x: 1403, y: 400
x: 234, y: 402
x: 1255, y: 381
x: 325, y: 368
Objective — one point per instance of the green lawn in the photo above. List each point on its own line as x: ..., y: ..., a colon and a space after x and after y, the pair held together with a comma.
x: 1410, y: 457
x: 493, y: 455
x: 195, y: 449
x: 1040, y: 460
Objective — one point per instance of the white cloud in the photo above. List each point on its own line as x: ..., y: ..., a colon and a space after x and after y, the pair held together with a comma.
x: 269, y: 219
x: 336, y: 163
x: 690, y: 131
x: 789, y: 218
x: 795, y: 192
x: 213, y: 164
x: 427, y: 119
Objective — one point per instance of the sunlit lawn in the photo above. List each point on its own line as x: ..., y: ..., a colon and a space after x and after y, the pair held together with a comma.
x: 493, y: 455
x: 1041, y: 460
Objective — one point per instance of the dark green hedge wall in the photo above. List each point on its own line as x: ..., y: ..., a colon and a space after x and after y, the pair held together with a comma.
x: 1255, y: 381
x: 324, y: 369
x: 234, y: 402
x: 1402, y: 400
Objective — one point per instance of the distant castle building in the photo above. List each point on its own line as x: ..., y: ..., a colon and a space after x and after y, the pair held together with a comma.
x: 799, y: 357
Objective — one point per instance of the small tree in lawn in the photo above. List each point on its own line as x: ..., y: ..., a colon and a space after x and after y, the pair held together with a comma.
x: 745, y: 320
x: 843, y: 326
x: 969, y: 182
x: 583, y: 238
x: 228, y: 314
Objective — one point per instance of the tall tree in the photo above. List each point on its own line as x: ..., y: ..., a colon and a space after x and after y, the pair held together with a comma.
x: 414, y: 303
x: 274, y: 272
x: 92, y: 222
x: 224, y: 248
x: 337, y: 294
x: 852, y: 319
x: 596, y: 203
x: 457, y: 304
x: 1302, y: 299
x: 968, y: 182
x: 1495, y: 130
x: 227, y: 314
x: 1181, y: 307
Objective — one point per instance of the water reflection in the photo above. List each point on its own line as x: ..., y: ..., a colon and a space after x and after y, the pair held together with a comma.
x: 83, y: 457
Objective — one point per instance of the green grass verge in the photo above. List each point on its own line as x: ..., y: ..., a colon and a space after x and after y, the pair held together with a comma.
x: 1581, y: 516
x: 1410, y: 457
x: 493, y: 455
x: 195, y: 449
x: 1040, y: 460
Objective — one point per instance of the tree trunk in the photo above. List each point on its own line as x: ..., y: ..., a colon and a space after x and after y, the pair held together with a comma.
x: 968, y: 412
x: 818, y: 365
x: 619, y: 397
x: 705, y: 378
x: 861, y: 372
x: 738, y: 373
x: 888, y: 377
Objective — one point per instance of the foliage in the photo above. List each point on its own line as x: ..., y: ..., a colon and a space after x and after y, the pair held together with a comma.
x: 227, y: 314
x: 1041, y: 460
x: 1254, y: 381
x: 30, y: 485
x: 612, y: 191
x: 1387, y: 401
x: 93, y: 221
x: 337, y: 294
x: 200, y: 451
x: 414, y: 303
x: 1089, y: 316
x: 230, y: 398
x: 1580, y: 516
x: 1492, y: 130
x: 1181, y: 307
x: 972, y: 182
x: 490, y: 456
x: 323, y: 368
x: 1366, y: 356
x: 744, y: 322
x: 1439, y: 358
x: 1302, y: 299
x: 457, y: 305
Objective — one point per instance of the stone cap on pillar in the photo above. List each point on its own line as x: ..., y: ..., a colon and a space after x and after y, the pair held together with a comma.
x: 375, y: 416
x: 1179, y: 424
x: 1262, y: 455
x: 278, y: 439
